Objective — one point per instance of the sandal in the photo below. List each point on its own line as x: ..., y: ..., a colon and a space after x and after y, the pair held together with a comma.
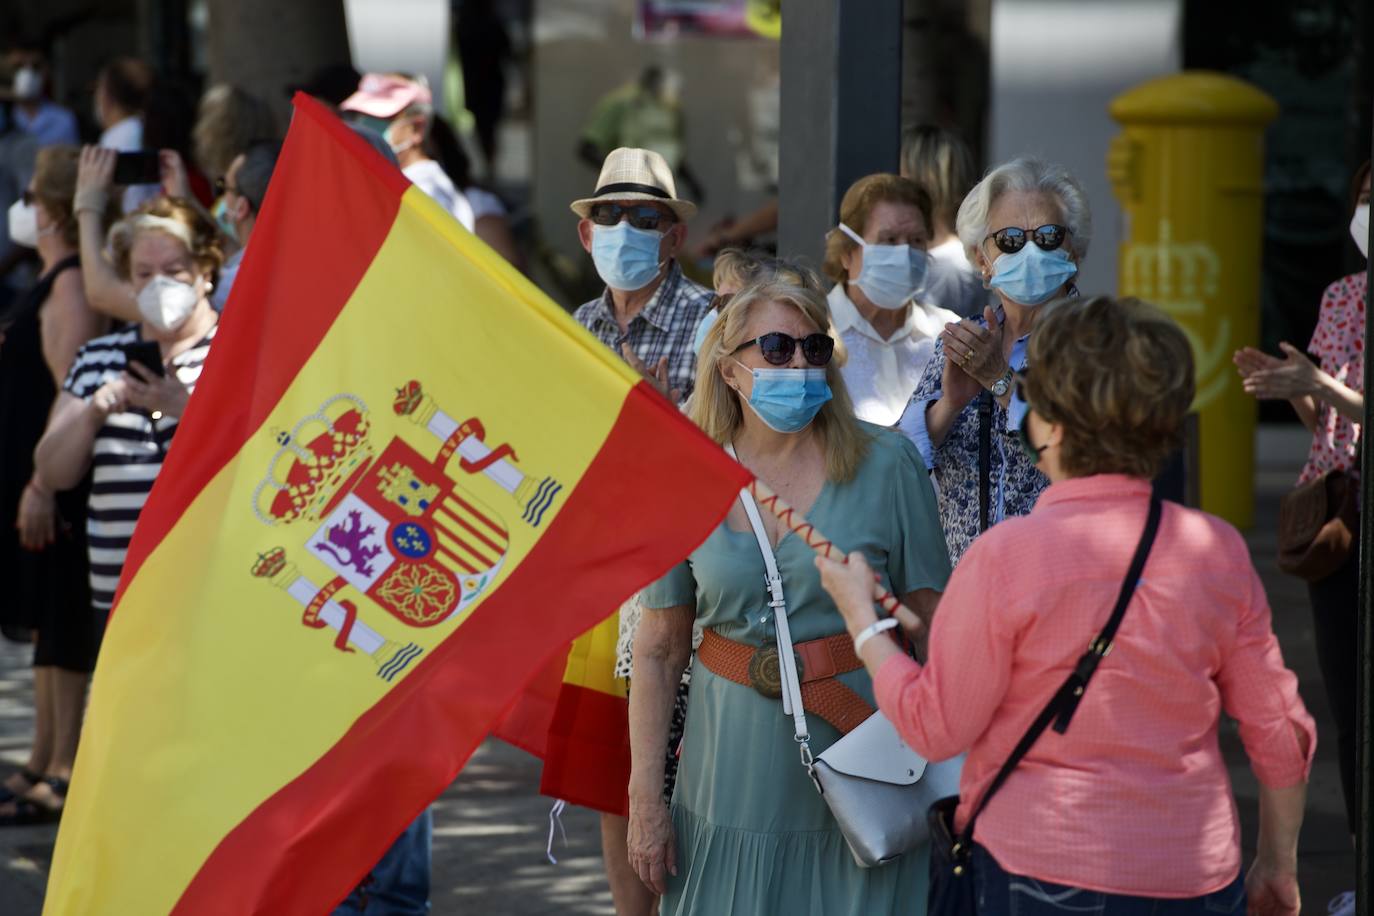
x: 27, y: 812
x: 29, y: 776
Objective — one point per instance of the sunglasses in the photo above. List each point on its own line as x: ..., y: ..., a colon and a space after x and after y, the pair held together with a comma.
x: 640, y: 217
x: 1013, y: 238
x: 778, y: 347
x: 222, y: 186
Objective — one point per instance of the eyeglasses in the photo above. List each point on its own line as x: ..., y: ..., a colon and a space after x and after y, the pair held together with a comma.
x: 641, y: 217
x: 1013, y: 238
x: 222, y: 186
x: 778, y: 347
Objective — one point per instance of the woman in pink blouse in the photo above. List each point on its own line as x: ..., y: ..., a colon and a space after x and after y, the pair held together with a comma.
x: 1329, y: 399
x: 1131, y: 810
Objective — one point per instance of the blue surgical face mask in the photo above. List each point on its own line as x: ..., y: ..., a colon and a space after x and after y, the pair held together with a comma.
x: 707, y: 321
x: 1032, y: 275
x: 891, y: 273
x: 787, y: 400
x: 626, y: 258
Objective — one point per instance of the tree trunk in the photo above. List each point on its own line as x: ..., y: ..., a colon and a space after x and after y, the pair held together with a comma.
x: 264, y: 46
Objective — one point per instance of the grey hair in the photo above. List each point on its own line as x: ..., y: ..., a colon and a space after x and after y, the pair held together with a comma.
x: 1025, y: 173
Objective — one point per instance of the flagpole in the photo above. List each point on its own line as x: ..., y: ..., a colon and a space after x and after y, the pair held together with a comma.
x: 818, y: 542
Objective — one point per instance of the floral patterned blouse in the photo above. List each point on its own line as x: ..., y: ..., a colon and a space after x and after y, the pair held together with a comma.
x: 1013, y: 481
x: 1338, y: 343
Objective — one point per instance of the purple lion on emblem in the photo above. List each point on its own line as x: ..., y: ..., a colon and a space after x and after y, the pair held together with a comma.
x: 348, y: 544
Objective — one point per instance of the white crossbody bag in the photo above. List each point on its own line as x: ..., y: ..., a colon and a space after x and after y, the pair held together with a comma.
x: 877, y: 788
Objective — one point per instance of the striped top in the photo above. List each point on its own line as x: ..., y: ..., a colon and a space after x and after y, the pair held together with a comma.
x: 127, y: 453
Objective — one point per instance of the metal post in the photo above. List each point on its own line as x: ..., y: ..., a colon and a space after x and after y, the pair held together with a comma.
x: 841, y: 110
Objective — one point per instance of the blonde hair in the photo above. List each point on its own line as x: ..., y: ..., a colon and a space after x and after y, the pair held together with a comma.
x: 856, y: 207
x: 941, y: 163
x: 717, y: 409
x: 1117, y: 376
x: 174, y: 217
x: 228, y: 121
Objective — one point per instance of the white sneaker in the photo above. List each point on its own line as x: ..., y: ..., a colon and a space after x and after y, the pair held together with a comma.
x: 1343, y: 905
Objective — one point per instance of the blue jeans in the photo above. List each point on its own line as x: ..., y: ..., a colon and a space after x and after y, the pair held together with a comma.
x: 1001, y: 892
x: 399, y: 884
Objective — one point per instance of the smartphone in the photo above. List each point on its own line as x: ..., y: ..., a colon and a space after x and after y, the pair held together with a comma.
x: 137, y: 168
x: 147, y: 353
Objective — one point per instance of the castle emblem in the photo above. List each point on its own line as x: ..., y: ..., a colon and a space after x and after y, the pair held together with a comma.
x: 390, y: 524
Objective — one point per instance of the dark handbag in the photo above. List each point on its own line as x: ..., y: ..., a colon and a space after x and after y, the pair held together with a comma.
x: 1317, y: 525
x: 952, y: 889
x: 984, y: 460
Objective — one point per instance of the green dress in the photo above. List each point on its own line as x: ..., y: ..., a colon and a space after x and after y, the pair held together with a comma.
x: 753, y: 836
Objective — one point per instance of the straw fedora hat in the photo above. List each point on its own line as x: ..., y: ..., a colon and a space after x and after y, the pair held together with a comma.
x: 636, y: 174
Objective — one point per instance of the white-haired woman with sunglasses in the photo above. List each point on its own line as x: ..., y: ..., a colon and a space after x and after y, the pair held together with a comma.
x: 1026, y: 227
x: 746, y: 831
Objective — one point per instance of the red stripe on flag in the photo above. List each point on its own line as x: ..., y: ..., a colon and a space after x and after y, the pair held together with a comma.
x: 587, y: 761
x: 471, y: 510
x: 496, y: 548
x: 306, y: 847
x: 260, y: 358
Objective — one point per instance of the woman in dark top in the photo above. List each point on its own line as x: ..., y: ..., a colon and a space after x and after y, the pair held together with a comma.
x: 42, y: 534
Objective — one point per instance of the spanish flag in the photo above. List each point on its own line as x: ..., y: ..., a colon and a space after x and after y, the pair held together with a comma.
x: 405, y: 483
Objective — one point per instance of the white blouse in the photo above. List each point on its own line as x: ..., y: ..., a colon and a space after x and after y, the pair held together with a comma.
x: 882, y: 374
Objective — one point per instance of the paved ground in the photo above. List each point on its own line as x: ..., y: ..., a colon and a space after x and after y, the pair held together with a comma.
x: 491, y: 827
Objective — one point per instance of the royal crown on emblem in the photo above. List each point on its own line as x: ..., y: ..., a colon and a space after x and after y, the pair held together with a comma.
x: 317, y: 461
x: 270, y: 563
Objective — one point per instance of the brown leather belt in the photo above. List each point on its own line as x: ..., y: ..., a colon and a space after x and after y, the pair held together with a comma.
x: 818, y: 661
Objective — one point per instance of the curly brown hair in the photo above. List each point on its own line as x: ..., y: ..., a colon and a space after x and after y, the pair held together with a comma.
x: 174, y: 217
x: 1117, y: 375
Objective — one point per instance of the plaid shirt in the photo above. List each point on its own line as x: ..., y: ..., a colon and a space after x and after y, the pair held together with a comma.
x: 664, y: 327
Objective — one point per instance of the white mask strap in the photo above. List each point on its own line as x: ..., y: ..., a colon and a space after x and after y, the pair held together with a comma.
x: 852, y: 234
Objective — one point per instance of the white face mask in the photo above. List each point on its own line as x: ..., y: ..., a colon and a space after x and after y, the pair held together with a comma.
x: 23, y: 224
x: 1359, y: 228
x: 28, y: 84
x: 166, y: 304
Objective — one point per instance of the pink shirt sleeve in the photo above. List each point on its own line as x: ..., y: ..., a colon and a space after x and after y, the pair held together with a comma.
x: 1262, y: 696
x: 941, y: 708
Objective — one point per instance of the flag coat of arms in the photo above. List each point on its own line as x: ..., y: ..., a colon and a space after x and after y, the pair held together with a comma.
x: 406, y: 481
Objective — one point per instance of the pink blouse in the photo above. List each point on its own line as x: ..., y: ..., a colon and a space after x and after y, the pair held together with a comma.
x: 1135, y: 798
x: 1338, y: 343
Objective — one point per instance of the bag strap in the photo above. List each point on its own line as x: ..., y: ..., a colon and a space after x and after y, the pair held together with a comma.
x: 1062, y: 706
x: 787, y: 661
x: 984, y: 460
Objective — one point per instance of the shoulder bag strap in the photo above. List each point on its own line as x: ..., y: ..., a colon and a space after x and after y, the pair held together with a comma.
x: 787, y: 661
x: 984, y: 460
x: 1065, y: 701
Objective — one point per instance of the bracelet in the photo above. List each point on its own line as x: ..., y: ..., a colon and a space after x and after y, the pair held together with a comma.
x: 872, y: 630
x: 93, y: 199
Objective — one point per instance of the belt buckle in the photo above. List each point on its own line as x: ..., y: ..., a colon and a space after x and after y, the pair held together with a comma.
x: 765, y: 674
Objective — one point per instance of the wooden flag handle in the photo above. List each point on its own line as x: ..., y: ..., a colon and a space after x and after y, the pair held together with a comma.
x: 813, y: 538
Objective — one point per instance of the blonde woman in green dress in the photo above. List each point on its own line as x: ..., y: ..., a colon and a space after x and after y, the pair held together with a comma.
x: 747, y: 832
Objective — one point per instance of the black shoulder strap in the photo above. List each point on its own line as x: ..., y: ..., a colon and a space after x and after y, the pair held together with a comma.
x: 1061, y: 708
x: 984, y: 459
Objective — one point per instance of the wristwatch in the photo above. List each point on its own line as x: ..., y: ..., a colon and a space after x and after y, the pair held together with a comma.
x: 1002, y: 385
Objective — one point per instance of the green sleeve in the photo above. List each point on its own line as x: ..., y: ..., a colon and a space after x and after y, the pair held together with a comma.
x: 919, y: 557
x: 678, y: 586
x: 603, y: 127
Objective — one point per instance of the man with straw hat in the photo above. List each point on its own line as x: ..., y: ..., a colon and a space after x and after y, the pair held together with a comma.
x: 633, y: 226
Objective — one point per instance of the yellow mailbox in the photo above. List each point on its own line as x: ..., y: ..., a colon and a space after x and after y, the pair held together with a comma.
x: 1187, y: 169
